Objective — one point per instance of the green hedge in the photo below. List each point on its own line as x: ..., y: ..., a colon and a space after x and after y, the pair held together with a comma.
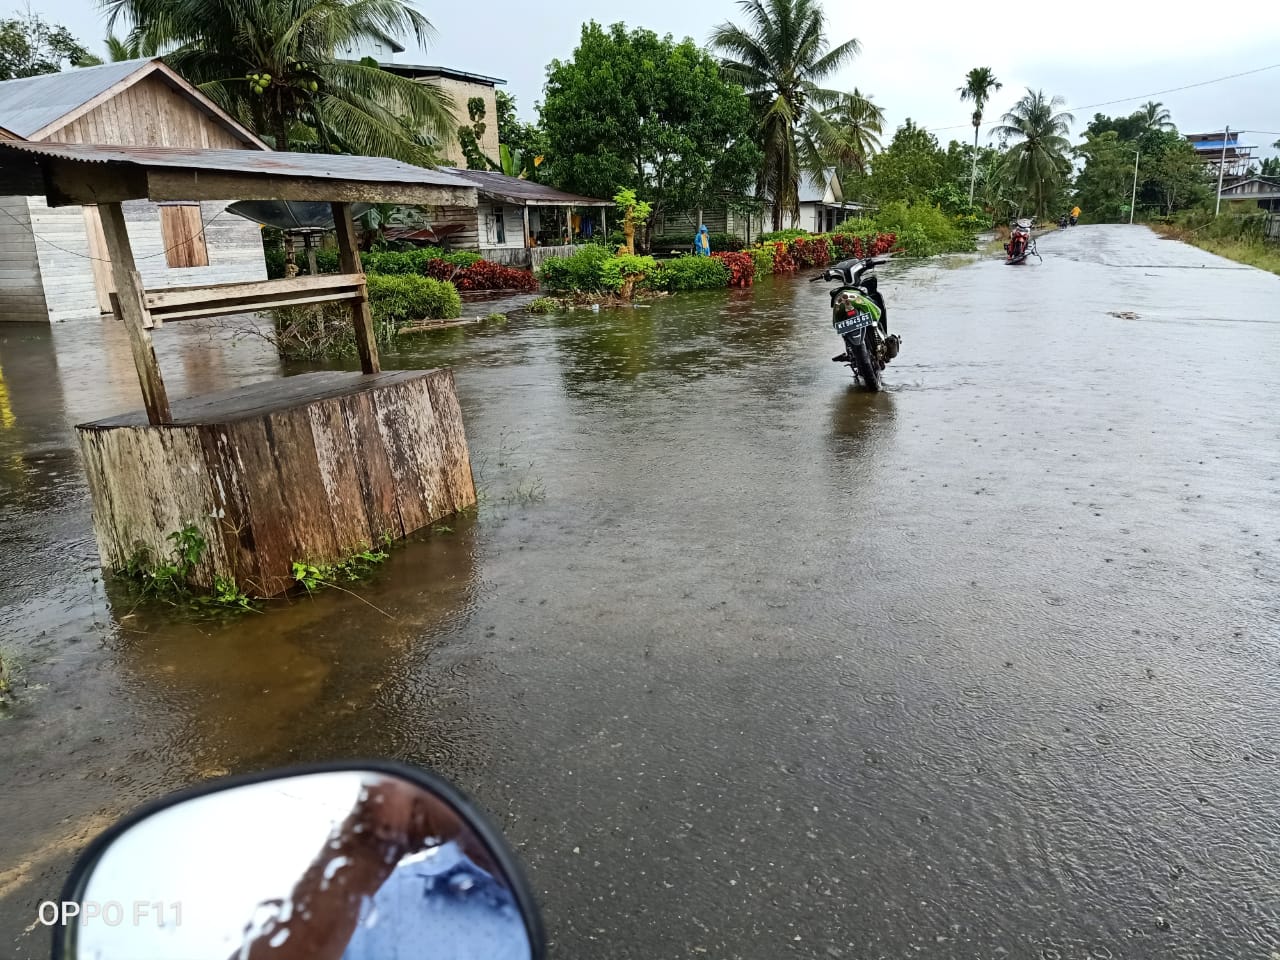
x: 580, y: 271
x: 399, y: 300
x: 922, y: 229
x: 691, y: 273
x: 378, y: 261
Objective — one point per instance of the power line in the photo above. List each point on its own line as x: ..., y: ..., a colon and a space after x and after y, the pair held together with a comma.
x: 1141, y: 96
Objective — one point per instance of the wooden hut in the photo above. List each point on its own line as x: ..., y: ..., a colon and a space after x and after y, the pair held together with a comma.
x: 53, y: 263
x: 307, y: 468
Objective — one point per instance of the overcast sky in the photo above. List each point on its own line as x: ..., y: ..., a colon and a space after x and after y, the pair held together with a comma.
x: 914, y: 53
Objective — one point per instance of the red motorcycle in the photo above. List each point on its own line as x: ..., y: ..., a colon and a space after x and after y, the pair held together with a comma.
x: 1020, y: 245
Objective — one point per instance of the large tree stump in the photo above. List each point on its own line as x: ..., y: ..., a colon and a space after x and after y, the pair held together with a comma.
x: 313, y: 468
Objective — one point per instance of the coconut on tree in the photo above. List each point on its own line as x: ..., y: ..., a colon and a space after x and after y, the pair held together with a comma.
x: 980, y: 83
x: 781, y: 57
x: 274, y: 66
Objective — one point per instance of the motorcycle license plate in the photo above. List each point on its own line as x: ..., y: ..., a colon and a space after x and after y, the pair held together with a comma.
x: 853, y: 323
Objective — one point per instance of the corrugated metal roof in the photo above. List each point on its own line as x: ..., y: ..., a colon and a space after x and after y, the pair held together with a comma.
x: 322, y: 166
x: 422, y: 70
x: 523, y: 191
x: 811, y: 192
x: 32, y: 103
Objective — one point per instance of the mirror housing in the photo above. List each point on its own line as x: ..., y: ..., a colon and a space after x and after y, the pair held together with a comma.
x: 333, y: 861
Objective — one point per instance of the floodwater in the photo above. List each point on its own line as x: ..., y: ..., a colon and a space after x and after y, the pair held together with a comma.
x: 749, y: 663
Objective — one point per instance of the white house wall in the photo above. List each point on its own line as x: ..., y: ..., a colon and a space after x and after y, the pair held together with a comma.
x: 513, y: 226
x: 234, y: 245
x: 21, y: 293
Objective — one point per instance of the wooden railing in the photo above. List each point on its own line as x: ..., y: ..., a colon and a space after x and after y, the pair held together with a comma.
x: 184, y: 303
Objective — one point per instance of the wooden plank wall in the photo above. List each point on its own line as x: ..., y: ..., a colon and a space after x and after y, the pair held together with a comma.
x: 21, y: 290
x: 149, y: 113
x: 234, y: 245
x: 310, y: 481
x: 468, y: 238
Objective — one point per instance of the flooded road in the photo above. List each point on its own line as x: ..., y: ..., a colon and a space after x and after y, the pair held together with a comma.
x: 749, y: 663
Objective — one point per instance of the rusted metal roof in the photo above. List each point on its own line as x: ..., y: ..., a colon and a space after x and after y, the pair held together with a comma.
x: 321, y: 166
x: 32, y: 103
x: 524, y: 192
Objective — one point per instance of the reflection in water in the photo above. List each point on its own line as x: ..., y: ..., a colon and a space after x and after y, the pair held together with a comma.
x: 269, y: 687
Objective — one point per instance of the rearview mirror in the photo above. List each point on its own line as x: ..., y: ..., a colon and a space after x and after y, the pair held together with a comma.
x: 335, y: 862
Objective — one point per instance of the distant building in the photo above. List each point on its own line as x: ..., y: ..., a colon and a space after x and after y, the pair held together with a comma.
x: 1264, y: 190
x: 822, y: 204
x: 460, y: 87
x: 1222, y: 149
x: 382, y: 48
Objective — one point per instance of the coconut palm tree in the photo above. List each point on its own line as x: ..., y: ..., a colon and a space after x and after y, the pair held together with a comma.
x: 273, y: 65
x: 1154, y: 116
x: 980, y: 83
x: 847, y: 133
x: 781, y: 57
x: 132, y: 47
x: 1037, y: 161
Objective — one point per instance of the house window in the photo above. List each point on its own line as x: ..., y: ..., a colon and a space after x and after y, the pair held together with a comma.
x: 182, y: 232
x: 499, y: 227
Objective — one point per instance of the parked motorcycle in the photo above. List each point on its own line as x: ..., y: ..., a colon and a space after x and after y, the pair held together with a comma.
x: 1020, y: 245
x: 859, y: 315
x: 1063, y: 220
x: 361, y: 861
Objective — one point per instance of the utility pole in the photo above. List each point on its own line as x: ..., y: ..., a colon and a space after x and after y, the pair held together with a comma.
x: 1133, y: 200
x: 1222, y: 166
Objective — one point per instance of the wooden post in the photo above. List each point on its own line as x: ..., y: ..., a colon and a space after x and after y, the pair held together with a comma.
x: 528, y: 239
x: 349, y: 258
x: 309, y: 244
x: 133, y: 313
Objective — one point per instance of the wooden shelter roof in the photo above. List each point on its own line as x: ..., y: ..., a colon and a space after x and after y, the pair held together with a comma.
x: 94, y: 173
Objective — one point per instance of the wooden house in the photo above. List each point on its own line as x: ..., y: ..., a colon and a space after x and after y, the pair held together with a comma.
x: 518, y: 222
x: 53, y: 261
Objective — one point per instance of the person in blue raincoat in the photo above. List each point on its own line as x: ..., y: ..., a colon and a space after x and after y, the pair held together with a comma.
x: 702, y: 242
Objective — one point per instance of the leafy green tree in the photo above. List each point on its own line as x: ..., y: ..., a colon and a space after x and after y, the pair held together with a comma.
x: 525, y: 143
x: 1104, y: 185
x: 30, y: 46
x: 272, y: 65
x: 781, y: 58
x: 1172, y: 175
x: 980, y: 83
x: 910, y: 168
x: 1126, y: 128
x: 635, y: 110
x: 1037, y: 163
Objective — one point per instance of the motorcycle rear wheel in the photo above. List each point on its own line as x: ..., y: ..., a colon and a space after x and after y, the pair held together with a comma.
x: 865, y: 364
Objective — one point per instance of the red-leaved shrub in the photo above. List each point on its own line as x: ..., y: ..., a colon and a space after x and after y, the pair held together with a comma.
x: 742, y: 269
x: 481, y: 275
x: 783, y: 261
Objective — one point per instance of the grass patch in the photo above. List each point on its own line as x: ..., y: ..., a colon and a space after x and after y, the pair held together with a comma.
x: 543, y: 305
x: 168, y: 578
x: 1252, y: 252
